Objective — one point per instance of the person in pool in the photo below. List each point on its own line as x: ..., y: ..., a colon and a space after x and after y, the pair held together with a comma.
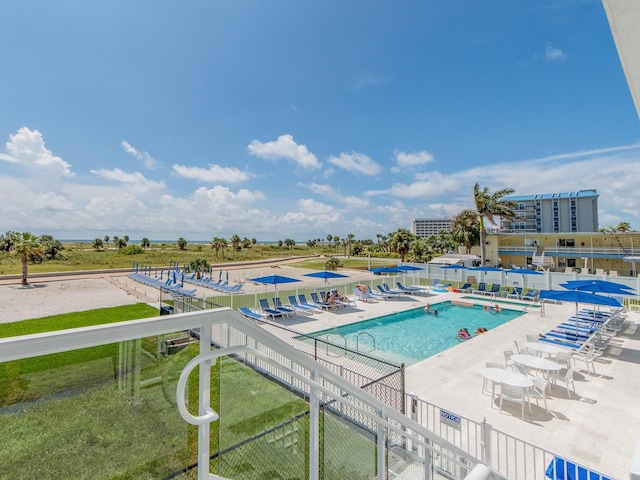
x: 428, y: 308
x: 464, y: 333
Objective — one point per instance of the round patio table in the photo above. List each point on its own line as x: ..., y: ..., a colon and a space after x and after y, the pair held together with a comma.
x: 500, y: 375
x: 547, y: 348
x: 543, y: 365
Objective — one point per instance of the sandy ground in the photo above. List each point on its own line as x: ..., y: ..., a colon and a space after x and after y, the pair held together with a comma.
x: 55, y: 295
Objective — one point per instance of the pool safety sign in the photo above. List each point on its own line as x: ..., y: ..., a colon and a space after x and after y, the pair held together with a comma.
x: 450, y: 419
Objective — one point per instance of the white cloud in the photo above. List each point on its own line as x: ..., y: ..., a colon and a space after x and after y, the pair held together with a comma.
x: 349, y: 201
x: 427, y: 185
x: 8, y: 158
x: 414, y: 159
x: 552, y: 53
x: 135, y: 180
x: 147, y: 160
x: 285, y: 147
x: 27, y: 147
x: 356, y: 163
x: 213, y: 174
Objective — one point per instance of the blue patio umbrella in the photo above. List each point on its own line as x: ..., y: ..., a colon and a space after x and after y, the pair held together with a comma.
x: 381, y: 270
x: 408, y: 268
x: 579, y: 297
x: 325, y: 275
x: 274, y: 280
x: 486, y: 268
x: 598, y: 286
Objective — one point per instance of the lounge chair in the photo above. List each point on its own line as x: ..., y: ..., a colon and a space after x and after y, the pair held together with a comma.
x: 495, y: 288
x: 277, y: 304
x: 302, y: 308
x: 466, y: 288
x: 531, y: 295
x: 482, y: 287
x: 264, y: 306
x: 410, y: 289
x: 386, y: 288
x: 515, y: 293
x: 387, y: 294
x: 320, y: 303
x: 363, y: 296
x: 251, y: 314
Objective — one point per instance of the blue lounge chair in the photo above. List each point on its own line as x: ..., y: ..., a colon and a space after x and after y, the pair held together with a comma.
x: 264, y: 306
x: 386, y: 288
x: 281, y: 308
x: 251, y: 314
x: 482, y: 287
x: 320, y: 303
x: 410, y: 289
x: 560, y: 469
x: 303, y: 308
x: 466, y: 288
x: 531, y: 295
x: 384, y: 293
x: 515, y: 293
x: 495, y: 288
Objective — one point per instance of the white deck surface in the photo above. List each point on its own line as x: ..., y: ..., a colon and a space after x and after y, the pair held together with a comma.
x: 598, y: 428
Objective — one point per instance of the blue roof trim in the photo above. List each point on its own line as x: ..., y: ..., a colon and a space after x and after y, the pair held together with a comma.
x: 549, y: 196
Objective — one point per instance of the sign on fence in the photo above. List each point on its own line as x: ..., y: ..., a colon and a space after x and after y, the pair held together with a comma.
x: 450, y: 419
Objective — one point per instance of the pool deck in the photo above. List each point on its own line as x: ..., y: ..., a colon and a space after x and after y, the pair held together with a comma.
x: 598, y: 428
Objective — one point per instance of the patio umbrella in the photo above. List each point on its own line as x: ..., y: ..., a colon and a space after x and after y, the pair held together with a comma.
x: 326, y: 275
x: 579, y: 297
x: 274, y: 280
x: 379, y: 270
x: 598, y: 286
x: 486, y: 268
x: 408, y: 268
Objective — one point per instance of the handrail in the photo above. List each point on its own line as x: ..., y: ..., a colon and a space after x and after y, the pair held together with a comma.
x: 358, y: 340
x: 328, y: 343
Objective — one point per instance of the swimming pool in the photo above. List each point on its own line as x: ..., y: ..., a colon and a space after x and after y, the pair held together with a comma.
x: 411, y: 336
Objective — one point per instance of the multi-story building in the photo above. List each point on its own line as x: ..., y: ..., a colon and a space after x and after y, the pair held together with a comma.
x: 554, y: 212
x: 425, y: 227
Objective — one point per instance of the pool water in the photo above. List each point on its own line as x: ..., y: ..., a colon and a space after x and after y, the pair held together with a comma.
x: 411, y: 336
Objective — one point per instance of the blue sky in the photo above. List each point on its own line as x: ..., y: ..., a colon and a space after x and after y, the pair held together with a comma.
x: 291, y: 119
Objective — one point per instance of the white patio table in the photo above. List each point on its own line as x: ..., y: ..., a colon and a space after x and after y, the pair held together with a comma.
x: 547, y: 348
x: 543, y: 365
x: 500, y: 375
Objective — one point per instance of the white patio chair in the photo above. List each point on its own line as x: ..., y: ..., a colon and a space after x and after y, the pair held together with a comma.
x: 524, y: 351
x: 484, y: 384
x: 508, y: 362
x: 563, y: 358
x: 514, y: 394
x: 587, y: 356
x: 565, y: 376
x: 539, y: 391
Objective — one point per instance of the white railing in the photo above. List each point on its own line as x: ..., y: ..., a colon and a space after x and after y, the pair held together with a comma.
x: 428, y: 452
x: 503, y: 453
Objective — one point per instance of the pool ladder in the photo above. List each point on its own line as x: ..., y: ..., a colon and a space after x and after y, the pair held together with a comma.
x: 368, y: 335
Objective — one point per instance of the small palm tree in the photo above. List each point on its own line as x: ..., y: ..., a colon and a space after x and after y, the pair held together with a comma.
x: 490, y: 205
x: 235, y: 243
x: 97, y: 244
x: 466, y: 228
x: 144, y: 243
x: 182, y: 243
x: 26, y: 245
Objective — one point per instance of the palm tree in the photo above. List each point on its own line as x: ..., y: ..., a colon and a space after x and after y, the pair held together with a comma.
x: 182, y: 243
x: 106, y: 240
x: 336, y: 242
x: 26, y: 245
x: 350, y: 238
x: 216, y: 244
x: 223, y: 244
x: 235, y: 243
x: 329, y: 238
x: 401, y: 242
x: 466, y: 228
x: 145, y: 242
x: 289, y: 243
x: 623, y: 227
x: 97, y: 244
x: 490, y: 205
x: 199, y: 266
x: 253, y: 241
x: 116, y: 241
x: 125, y: 238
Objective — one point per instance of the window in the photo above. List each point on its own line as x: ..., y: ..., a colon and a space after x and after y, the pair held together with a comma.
x: 566, y: 242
